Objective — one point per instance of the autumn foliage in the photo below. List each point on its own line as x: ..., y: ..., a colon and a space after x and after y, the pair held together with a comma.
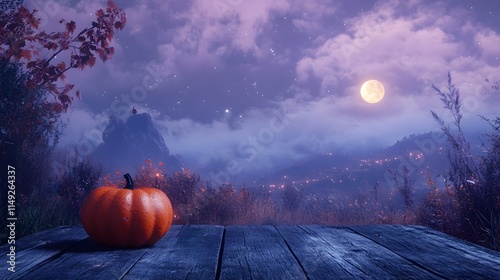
x: 22, y: 42
x: 34, y: 93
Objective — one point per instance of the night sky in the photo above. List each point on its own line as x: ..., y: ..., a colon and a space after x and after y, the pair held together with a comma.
x: 217, y: 75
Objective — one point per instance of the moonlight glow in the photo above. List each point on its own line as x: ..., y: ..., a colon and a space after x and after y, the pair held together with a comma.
x: 372, y: 91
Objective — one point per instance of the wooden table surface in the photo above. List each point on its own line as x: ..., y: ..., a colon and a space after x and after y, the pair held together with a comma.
x: 257, y: 252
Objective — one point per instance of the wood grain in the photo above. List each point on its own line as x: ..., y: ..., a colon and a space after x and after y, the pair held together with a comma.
x: 190, y: 252
x: 444, y: 255
x: 257, y: 252
x: 339, y: 253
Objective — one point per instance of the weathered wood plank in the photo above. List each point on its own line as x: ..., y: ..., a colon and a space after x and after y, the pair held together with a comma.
x: 444, y: 255
x: 87, y: 260
x: 40, y: 248
x: 46, y: 236
x: 471, y: 251
x: 339, y: 253
x: 257, y: 252
x: 191, y: 252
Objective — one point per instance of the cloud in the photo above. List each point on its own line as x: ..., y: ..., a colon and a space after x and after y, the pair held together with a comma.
x: 267, y: 139
x: 220, y: 54
x: 487, y: 42
x: 82, y: 131
x: 381, y: 44
x: 270, y: 138
x: 394, y: 47
x: 310, y: 15
x: 198, y: 29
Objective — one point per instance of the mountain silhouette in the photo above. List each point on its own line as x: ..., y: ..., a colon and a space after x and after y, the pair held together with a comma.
x: 322, y: 173
x: 126, y: 145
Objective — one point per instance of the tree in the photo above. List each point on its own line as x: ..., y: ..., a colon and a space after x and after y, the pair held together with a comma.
x: 33, y: 90
x: 8, y: 5
x: 28, y: 130
x: 22, y: 42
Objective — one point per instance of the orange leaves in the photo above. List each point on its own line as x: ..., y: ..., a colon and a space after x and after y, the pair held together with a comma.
x: 21, y: 25
x: 71, y: 26
x: 101, y: 53
x: 24, y: 13
x: 26, y: 54
x: 58, y: 108
x: 99, y: 13
x: 16, y: 48
x: 109, y: 37
x: 61, y: 66
x: 51, y: 46
x: 33, y: 21
x: 110, y: 51
x: 111, y: 5
x: 91, y: 61
x: 119, y: 25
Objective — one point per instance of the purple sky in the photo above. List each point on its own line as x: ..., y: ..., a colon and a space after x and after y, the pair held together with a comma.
x: 215, y: 73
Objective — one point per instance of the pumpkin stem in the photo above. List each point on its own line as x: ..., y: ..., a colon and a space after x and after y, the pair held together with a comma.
x: 130, y: 183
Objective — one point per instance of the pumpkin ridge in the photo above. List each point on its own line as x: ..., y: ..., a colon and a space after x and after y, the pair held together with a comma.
x: 119, y: 217
x: 95, y: 207
x: 139, y: 223
x: 163, y: 220
x: 156, y: 231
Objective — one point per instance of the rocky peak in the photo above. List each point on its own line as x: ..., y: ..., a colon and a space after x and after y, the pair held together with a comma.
x: 128, y: 143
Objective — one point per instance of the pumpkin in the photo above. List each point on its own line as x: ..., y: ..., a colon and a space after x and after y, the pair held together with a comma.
x: 126, y: 217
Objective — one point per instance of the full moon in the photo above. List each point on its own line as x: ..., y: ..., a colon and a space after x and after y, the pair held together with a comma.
x: 372, y: 91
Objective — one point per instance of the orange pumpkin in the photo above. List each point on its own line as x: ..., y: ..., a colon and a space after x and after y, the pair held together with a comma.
x: 128, y: 217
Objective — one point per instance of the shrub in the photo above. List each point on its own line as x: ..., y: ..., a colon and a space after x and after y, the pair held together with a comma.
x: 43, y: 210
x: 475, y: 180
x: 292, y: 198
x: 439, y: 210
x: 77, y: 182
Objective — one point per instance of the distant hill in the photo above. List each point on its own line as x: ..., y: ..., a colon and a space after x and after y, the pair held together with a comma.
x: 342, y: 174
x: 127, y: 144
